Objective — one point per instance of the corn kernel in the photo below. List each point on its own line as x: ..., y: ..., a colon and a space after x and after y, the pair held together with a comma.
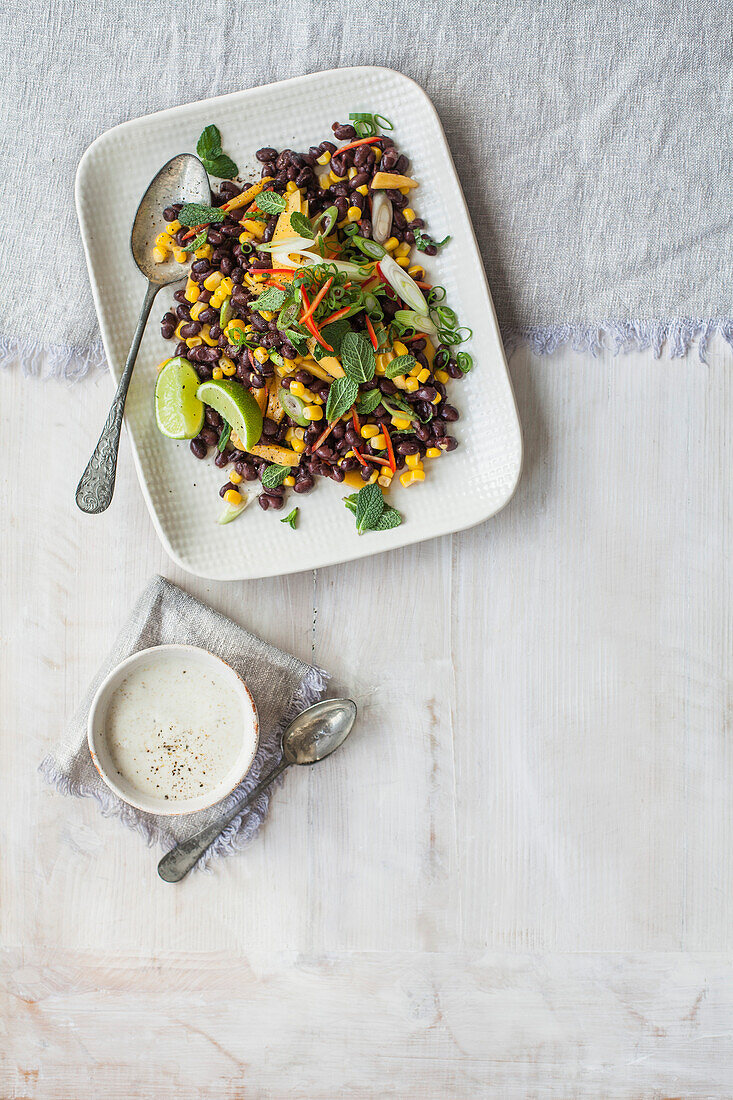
x: 194, y: 342
x: 416, y: 370
x: 335, y: 178
x: 180, y: 256
x: 159, y: 255
x: 353, y: 214
x: 204, y: 253
x: 298, y: 446
x: 291, y: 187
x: 391, y: 244
x: 325, y: 182
x: 369, y: 431
x: 379, y: 442
x: 442, y: 376
x: 373, y: 478
x: 207, y: 337
x: 412, y: 385
x: 267, y: 314
x: 313, y: 412
x: 437, y: 399
x: 217, y: 373
x: 233, y: 496
x: 179, y: 326
x: 249, y: 328
x: 235, y: 478
x: 416, y: 271
x: 433, y: 452
x: 191, y: 293
x: 261, y: 355
x: 324, y: 158
x: 289, y: 481
x: 402, y: 261
x: 399, y: 348
x: 164, y: 240
x: 400, y: 381
x: 349, y: 454
x: 411, y: 476
x: 352, y: 172
x: 252, y: 227
x: 401, y: 422
x: 402, y: 249
x: 297, y: 388
x: 174, y: 226
x: 228, y: 369
x: 408, y: 214
x: 212, y: 281
x: 234, y: 329
x: 245, y: 237
x: 377, y: 152
x: 413, y: 461
x: 423, y: 376
x: 404, y: 190
x: 226, y: 285
x: 363, y: 190
x: 385, y: 480
x: 196, y: 309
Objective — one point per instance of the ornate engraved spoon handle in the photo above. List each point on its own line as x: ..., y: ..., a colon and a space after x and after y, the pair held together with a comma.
x: 97, y: 484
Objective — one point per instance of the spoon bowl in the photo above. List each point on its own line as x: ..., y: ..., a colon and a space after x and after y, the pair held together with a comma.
x: 318, y: 731
x: 311, y: 736
x: 182, y: 179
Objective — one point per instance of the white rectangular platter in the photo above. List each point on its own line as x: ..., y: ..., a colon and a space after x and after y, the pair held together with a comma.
x: 461, y: 488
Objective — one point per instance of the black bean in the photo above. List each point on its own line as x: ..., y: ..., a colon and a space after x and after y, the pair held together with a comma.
x: 226, y: 265
x: 198, y: 447
x: 304, y: 483
x: 430, y: 250
x: 287, y: 350
x: 167, y: 329
x: 269, y: 228
x: 423, y: 433
x: 402, y: 165
x: 359, y: 179
x: 389, y: 159
x: 292, y: 174
x: 269, y: 427
x: 193, y: 328
x: 237, y: 275
x: 427, y: 393
x: 208, y: 315
x: 264, y: 501
x: 342, y: 205
x: 449, y: 413
x: 214, y: 237
x: 182, y: 348
x: 305, y: 175
x: 221, y: 460
x: 209, y: 436
x: 215, y: 332
x: 407, y: 448
x: 212, y: 417
x: 366, y: 227
x: 417, y: 223
x: 225, y: 488
x: 180, y: 295
x: 336, y: 473
x: 266, y: 153
x: 350, y: 464
x: 268, y: 170
x: 352, y: 437
x: 257, y: 381
x: 387, y: 386
x: 409, y: 236
x: 169, y: 214
x: 361, y: 155
x: 200, y: 267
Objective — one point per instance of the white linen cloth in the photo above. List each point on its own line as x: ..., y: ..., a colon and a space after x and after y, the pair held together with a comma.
x: 592, y: 142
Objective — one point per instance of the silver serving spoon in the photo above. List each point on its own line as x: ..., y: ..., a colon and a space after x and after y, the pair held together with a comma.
x: 182, y: 179
x: 310, y: 737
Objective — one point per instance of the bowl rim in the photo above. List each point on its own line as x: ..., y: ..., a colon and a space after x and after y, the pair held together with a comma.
x: 242, y: 765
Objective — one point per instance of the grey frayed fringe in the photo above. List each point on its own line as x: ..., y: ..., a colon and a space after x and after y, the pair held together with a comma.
x: 234, y: 837
x: 69, y: 364
x: 677, y: 336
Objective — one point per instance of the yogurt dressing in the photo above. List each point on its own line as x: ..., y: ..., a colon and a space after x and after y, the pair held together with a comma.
x: 173, y: 728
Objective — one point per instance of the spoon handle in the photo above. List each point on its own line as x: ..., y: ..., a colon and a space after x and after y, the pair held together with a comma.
x: 176, y: 864
x: 97, y: 483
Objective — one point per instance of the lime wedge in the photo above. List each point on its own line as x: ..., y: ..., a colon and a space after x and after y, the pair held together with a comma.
x: 237, y: 405
x: 178, y: 411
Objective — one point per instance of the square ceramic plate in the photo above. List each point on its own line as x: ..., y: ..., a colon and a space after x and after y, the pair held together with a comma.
x: 460, y: 489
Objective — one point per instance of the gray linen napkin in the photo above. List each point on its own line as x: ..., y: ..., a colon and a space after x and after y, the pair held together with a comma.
x: 281, y: 685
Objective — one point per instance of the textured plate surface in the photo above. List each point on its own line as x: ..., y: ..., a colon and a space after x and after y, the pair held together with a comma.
x: 460, y: 489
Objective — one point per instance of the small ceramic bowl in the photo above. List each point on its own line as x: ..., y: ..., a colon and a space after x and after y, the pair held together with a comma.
x: 98, y: 747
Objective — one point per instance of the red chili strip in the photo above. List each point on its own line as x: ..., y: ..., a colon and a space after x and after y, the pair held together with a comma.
x: 372, y: 333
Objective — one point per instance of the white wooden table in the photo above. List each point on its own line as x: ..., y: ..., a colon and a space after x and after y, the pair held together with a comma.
x: 515, y: 880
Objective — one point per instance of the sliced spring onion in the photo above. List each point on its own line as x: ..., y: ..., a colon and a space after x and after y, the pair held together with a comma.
x: 326, y: 220
x: 369, y: 248
x: 381, y: 217
x: 417, y: 321
x: 233, y: 510
x: 403, y: 285
x: 294, y: 407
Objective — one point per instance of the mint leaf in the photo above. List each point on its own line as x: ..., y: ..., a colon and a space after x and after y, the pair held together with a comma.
x: 334, y: 334
x: 403, y: 364
x: 298, y: 339
x: 302, y: 225
x: 350, y: 502
x: 193, y: 213
x: 197, y: 242
x: 208, y: 145
x: 368, y: 402
x: 288, y: 314
x: 226, y: 431
x: 223, y: 167
x: 369, y: 507
x: 357, y: 357
x: 272, y: 298
x: 291, y: 518
x: 269, y: 202
x: 274, y: 475
x: 341, y: 396
x: 389, y: 518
